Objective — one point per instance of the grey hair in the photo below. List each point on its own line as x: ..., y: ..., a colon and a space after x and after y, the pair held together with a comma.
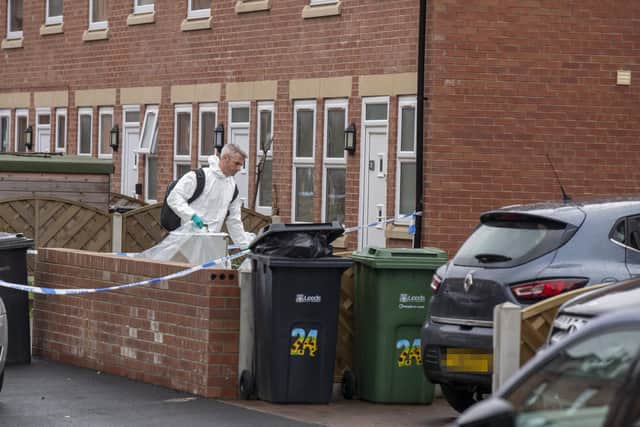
x: 231, y: 148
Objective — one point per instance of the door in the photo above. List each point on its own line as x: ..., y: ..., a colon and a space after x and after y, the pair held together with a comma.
x: 43, y: 140
x: 240, y: 137
x: 374, y: 186
x: 130, y: 160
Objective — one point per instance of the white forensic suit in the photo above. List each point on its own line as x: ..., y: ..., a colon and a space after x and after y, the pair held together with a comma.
x: 213, y: 203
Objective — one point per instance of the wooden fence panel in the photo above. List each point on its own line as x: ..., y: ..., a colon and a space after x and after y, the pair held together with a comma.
x: 141, y: 228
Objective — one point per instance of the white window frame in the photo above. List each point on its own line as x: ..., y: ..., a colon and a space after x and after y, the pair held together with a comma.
x: 263, y: 106
x: 97, y: 25
x: 153, y: 135
x: 12, y: 35
x: 331, y: 162
x: 404, y: 156
x: 53, y: 19
x: 239, y: 125
x: 181, y: 159
x: 19, y: 113
x: 205, y: 108
x: 61, y: 112
x: 143, y: 8
x: 7, y: 115
x: 198, y: 13
x: 40, y: 127
x: 81, y: 112
x: 301, y: 162
x: 104, y: 111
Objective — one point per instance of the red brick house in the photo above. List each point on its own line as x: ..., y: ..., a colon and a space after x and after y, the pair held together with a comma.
x: 508, y: 83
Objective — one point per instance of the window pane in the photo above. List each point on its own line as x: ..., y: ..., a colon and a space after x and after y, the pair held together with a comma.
x: 22, y: 125
x: 55, y: 7
x: 407, y: 188
x: 265, y: 130
x: 376, y: 112
x: 144, y: 2
x: 335, y: 133
x: 408, y: 126
x: 15, y: 21
x: 149, y: 129
x: 44, y: 119
x: 132, y: 116
x: 183, y: 134
x: 4, y: 134
x: 240, y: 115
x: 61, y: 138
x: 152, y: 178
x: 106, y: 123
x: 304, y: 137
x: 99, y: 10
x: 200, y: 4
x: 181, y: 169
x: 264, y: 193
x: 335, y: 195
x: 304, y: 194
x: 85, y: 134
x: 208, y: 120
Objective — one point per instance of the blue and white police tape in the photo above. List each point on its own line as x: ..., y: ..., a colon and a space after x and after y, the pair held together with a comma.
x: 154, y: 281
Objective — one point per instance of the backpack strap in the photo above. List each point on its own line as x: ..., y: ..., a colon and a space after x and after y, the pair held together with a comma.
x: 235, y: 193
x: 199, y: 185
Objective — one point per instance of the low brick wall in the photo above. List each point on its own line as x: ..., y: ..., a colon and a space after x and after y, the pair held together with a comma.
x: 181, y: 334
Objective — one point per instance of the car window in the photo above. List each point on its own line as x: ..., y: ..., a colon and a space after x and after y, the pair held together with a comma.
x: 634, y: 232
x: 508, y: 240
x: 619, y: 231
x: 576, y: 387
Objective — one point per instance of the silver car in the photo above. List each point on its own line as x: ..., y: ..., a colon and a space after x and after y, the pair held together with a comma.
x: 4, y: 332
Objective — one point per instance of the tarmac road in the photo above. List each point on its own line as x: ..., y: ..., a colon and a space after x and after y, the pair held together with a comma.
x: 51, y: 394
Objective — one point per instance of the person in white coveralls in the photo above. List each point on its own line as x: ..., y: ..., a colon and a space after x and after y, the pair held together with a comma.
x: 216, y: 202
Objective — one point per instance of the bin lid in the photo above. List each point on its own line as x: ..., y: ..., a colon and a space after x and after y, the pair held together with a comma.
x: 401, y: 258
x: 297, y: 240
x: 14, y: 241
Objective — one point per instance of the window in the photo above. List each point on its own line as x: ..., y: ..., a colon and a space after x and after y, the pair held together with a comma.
x: 61, y: 130
x: 319, y: 2
x: 105, y: 124
x: 151, y: 178
x: 206, y: 128
x: 97, y: 14
x: 22, y: 121
x: 149, y: 130
x: 143, y: 6
x: 182, y: 140
x: 199, y: 9
x: 43, y: 130
x: 264, y: 162
x: 304, y: 119
x: 334, y: 164
x: 85, y: 119
x: 5, y: 128
x: 406, y: 158
x: 14, y: 19
x: 53, y: 12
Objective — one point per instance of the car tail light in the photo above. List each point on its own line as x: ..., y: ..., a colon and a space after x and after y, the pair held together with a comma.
x: 436, y: 281
x: 546, y: 288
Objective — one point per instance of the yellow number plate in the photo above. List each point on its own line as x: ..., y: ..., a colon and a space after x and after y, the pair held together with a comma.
x: 467, y: 360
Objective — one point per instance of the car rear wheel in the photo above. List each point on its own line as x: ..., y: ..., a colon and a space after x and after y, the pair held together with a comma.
x: 460, y: 398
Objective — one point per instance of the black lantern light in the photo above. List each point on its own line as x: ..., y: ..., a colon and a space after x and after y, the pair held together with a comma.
x: 218, y: 138
x: 28, y: 138
x: 350, y: 138
x: 114, y: 137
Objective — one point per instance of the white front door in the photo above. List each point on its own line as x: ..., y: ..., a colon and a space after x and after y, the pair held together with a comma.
x: 43, y: 140
x: 240, y: 137
x: 129, y: 160
x: 374, y: 186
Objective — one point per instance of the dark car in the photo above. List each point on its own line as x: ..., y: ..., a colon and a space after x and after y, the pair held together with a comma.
x: 590, y: 379
x: 574, y: 314
x: 520, y: 254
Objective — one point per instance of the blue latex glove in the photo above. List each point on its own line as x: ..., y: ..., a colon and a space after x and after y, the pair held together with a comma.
x: 197, y: 221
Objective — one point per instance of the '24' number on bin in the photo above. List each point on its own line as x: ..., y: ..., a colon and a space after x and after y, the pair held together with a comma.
x: 305, y: 341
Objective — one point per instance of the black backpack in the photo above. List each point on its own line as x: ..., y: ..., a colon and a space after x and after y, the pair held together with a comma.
x: 168, y: 218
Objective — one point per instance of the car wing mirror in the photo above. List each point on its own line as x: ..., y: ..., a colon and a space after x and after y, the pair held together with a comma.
x: 494, y: 412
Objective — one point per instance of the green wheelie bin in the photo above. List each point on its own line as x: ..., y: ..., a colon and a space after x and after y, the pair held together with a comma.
x: 391, y: 297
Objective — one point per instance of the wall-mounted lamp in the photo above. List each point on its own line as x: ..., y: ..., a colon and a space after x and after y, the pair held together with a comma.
x: 218, y: 138
x: 115, y: 137
x: 350, y: 138
x: 28, y: 138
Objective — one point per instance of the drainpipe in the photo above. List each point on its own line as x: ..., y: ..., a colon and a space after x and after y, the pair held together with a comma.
x: 417, y: 237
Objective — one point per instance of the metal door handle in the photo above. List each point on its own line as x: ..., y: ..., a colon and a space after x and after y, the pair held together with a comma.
x: 381, y: 217
x: 380, y: 171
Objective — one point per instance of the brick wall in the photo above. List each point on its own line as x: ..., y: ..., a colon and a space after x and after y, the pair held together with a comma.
x: 181, y: 334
